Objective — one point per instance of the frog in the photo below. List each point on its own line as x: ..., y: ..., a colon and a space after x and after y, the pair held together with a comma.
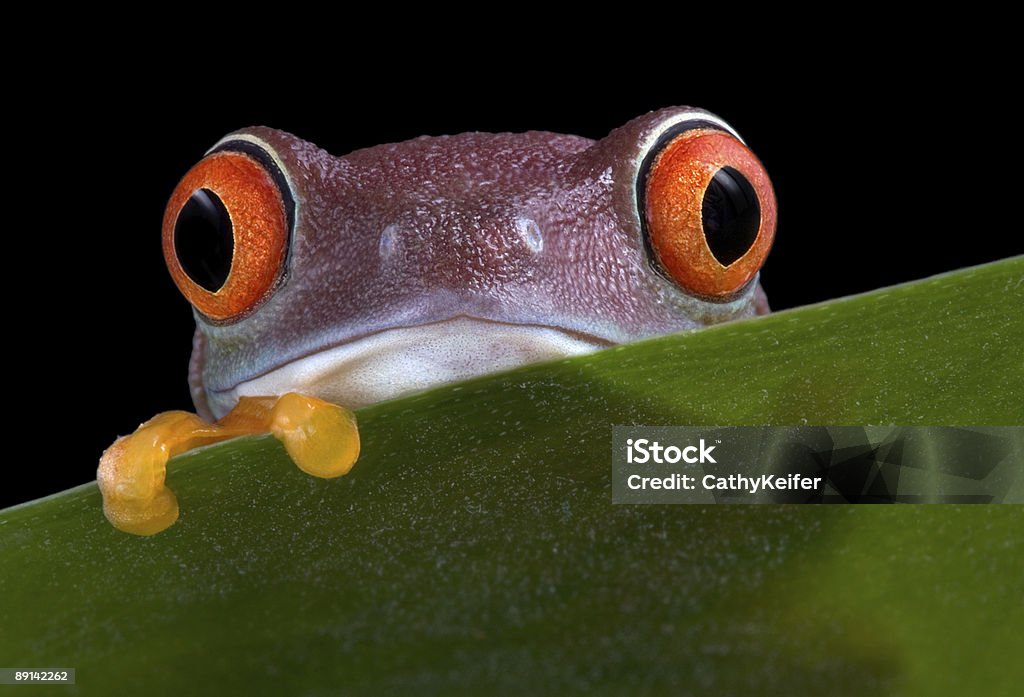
x: 321, y: 284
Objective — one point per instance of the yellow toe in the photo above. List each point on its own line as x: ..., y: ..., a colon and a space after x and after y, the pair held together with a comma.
x: 321, y: 438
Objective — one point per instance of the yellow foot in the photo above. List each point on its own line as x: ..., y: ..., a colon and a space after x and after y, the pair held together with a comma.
x: 320, y: 437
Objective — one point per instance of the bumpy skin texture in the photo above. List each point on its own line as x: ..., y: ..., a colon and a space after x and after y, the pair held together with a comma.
x: 531, y: 228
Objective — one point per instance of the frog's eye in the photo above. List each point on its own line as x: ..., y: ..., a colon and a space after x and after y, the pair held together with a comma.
x: 226, y: 231
x: 709, y: 211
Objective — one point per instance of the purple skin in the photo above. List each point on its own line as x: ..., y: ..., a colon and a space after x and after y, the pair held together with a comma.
x: 536, y: 236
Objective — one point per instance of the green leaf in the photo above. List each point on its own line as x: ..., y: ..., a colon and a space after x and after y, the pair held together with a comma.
x: 474, y: 549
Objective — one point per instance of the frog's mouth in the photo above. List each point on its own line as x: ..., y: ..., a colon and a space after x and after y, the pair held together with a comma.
x: 397, y: 362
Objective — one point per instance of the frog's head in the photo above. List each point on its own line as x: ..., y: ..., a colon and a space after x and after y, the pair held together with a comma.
x: 399, y: 267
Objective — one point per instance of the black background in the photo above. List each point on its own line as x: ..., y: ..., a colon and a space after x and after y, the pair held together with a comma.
x: 882, y: 172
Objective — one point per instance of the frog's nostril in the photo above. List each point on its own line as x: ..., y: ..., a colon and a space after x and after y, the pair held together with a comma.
x: 388, y: 245
x: 531, y: 234
x: 730, y: 214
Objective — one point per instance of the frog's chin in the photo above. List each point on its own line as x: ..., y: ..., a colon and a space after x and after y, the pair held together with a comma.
x: 397, y: 362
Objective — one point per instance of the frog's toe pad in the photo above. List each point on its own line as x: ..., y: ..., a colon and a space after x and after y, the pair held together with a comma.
x: 321, y: 438
x: 141, y: 508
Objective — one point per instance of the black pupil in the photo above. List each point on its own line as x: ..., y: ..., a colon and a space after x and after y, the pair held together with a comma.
x: 204, y: 240
x: 731, y: 215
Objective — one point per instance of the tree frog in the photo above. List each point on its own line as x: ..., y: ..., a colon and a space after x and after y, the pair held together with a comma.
x: 320, y: 284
